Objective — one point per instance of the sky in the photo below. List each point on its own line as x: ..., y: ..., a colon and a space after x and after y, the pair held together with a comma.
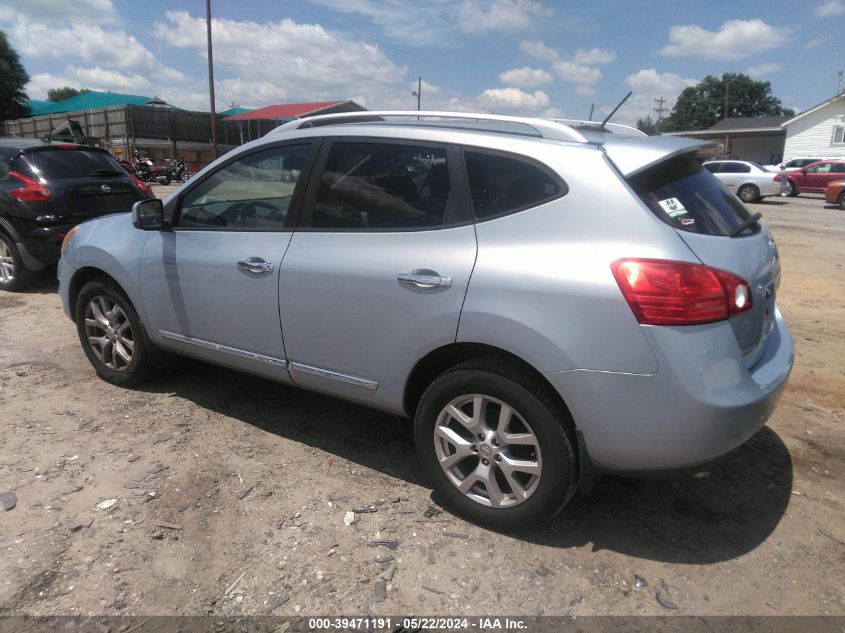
x: 523, y: 57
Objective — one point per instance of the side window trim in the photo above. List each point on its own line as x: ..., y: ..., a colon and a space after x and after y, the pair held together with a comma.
x: 563, y: 187
x: 454, y: 161
x: 174, y: 208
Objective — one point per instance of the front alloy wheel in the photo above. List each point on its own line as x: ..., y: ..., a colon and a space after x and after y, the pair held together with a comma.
x: 7, y: 264
x: 488, y: 451
x: 109, y: 333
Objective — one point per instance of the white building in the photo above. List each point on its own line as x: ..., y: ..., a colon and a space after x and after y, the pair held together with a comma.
x: 818, y: 131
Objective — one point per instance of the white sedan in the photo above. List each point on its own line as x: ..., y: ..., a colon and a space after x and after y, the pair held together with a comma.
x: 749, y: 181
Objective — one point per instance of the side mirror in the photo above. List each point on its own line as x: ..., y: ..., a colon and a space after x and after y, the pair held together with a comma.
x: 148, y: 215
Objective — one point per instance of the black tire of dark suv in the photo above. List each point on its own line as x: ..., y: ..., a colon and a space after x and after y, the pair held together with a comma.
x: 14, y: 274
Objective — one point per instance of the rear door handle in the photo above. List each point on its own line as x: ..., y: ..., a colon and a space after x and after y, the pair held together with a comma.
x: 255, y: 265
x: 430, y: 280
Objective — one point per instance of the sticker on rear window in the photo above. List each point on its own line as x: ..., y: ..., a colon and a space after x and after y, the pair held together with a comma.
x: 673, y: 207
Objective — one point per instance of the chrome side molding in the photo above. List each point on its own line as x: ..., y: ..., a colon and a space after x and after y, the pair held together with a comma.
x: 334, y: 375
x: 217, y: 347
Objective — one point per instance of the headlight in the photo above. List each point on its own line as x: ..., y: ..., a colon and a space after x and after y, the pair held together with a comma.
x: 68, y: 238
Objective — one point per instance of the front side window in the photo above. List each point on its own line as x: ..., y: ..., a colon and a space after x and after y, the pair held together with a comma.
x: 823, y: 168
x: 252, y: 193
x: 383, y: 186
x: 503, y: 184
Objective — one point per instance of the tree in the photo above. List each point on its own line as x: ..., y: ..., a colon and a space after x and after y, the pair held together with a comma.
x: 648, y: 126
x: 703, y: 105
x: 13, y: 78
x: 65, y: 92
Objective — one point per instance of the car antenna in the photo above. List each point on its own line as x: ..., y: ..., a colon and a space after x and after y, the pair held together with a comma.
x: 624, y: 99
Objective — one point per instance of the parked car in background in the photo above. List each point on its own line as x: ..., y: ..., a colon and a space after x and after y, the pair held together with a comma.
x: 545, y: 301
x: 46, y: 188
x: 797, y: 163
x: 749, y: 181
x: 835, y: 193
x: 814, y: 178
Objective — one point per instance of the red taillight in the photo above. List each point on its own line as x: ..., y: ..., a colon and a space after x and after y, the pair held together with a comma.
x: 777, y: 178
x: 32, y: 191
x: 665, y: 292
x: 145, y: 188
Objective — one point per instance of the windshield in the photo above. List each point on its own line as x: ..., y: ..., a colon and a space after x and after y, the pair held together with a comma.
x: 686, y: 196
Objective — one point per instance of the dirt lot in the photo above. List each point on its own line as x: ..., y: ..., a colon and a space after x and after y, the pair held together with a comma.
x: 254, y: 480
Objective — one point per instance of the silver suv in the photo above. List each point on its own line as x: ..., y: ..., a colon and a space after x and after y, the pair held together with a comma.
x: 547, y: 301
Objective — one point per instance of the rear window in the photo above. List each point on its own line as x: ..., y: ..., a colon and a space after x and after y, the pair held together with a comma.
x: 51, y: 163
x: 685, y: 196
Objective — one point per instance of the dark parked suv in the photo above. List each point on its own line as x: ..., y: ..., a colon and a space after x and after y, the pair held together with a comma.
x: 46, y: 188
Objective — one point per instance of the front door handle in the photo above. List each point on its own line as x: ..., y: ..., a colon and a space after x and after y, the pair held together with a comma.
x: 255, y: 265
x: 428, y: 280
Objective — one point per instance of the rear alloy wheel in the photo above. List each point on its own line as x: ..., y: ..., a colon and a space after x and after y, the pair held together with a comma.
x: 111, y: 334
x: 748, y: 193
x: 496, y: 447
x: 13, y: 275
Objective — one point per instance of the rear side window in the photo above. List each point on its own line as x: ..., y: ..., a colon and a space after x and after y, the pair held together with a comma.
x: 734, y: 168
x: 713, y: 168
x: 53, y: 163
x: 503, y: 184
x: 383, y: 186
x: 681, y: 193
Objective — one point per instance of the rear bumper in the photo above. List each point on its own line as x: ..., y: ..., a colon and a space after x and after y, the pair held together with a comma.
x: 41, y: 247
x: 700, y: 405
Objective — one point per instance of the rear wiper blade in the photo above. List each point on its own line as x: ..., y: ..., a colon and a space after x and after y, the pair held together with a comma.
x: 105, y: 172
x: 752, y: 219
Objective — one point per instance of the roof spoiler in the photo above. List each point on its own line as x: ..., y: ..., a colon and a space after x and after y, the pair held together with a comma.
x: 633, y: 155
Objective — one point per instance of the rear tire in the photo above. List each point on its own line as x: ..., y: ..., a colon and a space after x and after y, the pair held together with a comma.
x: 748, y: 193
x: 793, y: 190
x: 13, y: 274
x: 111, y: 334
x: 523, y: 471
x: 842, y: 200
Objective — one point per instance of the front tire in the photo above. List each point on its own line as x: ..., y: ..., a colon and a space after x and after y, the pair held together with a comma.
x: 13, y: 274
x: 842, y: 200
x: 496, y: 446
x: 748, y: 193
x: 793, y: 190
x: 111, y: 334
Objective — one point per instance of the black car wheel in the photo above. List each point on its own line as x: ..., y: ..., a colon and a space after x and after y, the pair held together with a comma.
x: 495, y: 445
x: 748, y: 193
x: 111, y: 334
x: 842, y: 200
x: 793, y: 190
x: 13, y: 274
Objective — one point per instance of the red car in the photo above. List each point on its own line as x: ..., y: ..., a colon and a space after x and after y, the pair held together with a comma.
x: 814, y: 178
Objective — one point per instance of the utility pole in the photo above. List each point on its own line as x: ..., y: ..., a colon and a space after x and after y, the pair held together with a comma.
x: 727, y: 90
x: 838, y: 82
x: 418, y: 92
x: 592, y: 107
x: 659, y: 109
x: 211, y: 81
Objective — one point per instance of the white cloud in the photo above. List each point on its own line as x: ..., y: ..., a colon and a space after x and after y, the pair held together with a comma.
x: 830, y: 9
x: 585, y: 91
x: 288, y: 61
x: 539, y: 50
x: 817, y: 41
x: 648, y: 85
x: 594, y: 56
x: 512, y: 100
x: 59, y: 11
x: 499, y: 15
x: 735, y: 39
x: 576, y: 73
x: 526, y: 77
x: 764, y: 69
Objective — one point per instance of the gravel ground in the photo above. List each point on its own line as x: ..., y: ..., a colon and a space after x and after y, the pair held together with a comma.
x: 209, y: 491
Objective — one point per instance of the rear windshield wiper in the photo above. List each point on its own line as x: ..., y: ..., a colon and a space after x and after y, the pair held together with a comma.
x: 105, y: 172
x: 752, y: 219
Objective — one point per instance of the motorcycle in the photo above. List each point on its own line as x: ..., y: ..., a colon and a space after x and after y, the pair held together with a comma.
x: 146, y: 171
x: 178, y: 170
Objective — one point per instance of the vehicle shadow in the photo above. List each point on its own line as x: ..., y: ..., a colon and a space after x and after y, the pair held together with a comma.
x: 718, y: 517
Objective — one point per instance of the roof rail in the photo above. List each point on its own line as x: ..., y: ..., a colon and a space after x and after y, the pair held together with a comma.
x: 596, y: 126
x: 524, y: 126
